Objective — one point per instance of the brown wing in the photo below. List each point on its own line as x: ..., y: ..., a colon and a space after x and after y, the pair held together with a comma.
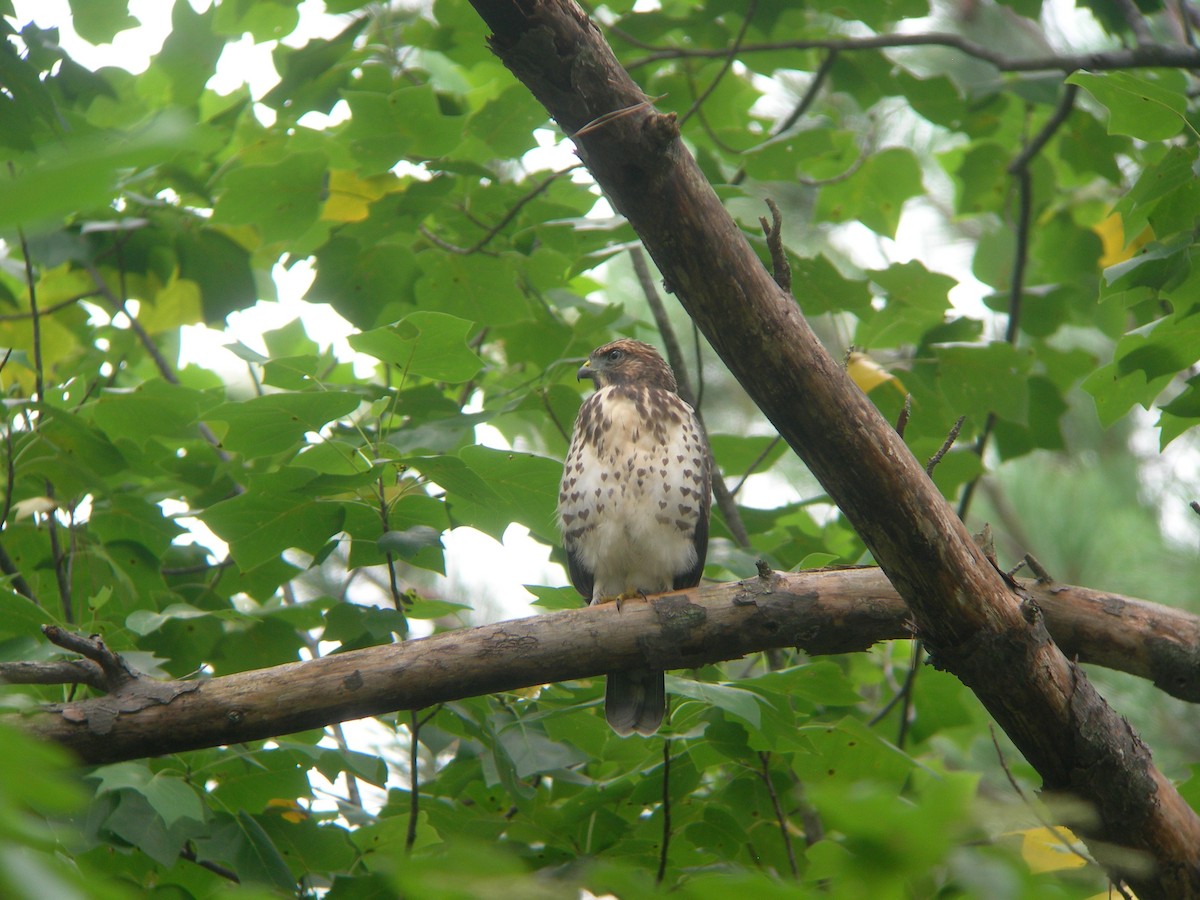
x: 691, y: 577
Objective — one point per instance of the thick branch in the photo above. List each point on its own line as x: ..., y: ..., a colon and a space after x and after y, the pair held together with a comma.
x: 972, y: 621
x: 821, y: 612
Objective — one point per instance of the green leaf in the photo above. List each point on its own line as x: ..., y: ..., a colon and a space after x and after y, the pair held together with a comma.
x: 431, y: 344
x: 83, y: 171
x: 1157, y: 182
x: 408, y: 543
x: 172, y: 408
x: 734, y: 700
x: 259, y: 525
x: 98, y: 21
x: 408, y: 123
x: 875, y: 194
x: 282, y: 200
x: 259, y: 860
x: 915, y: 300
x: 989, y: 379
x: 478, y: 288
x: 189, y: 54
x: 1137, y: 106
x: 275, y: 423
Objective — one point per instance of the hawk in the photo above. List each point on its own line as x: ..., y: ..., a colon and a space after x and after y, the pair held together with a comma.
x: 633, y: 506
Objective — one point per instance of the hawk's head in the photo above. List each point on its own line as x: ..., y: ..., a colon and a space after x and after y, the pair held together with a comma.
x: 627, y: 362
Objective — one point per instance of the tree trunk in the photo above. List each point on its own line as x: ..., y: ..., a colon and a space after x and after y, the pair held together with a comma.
x: 973, y: 623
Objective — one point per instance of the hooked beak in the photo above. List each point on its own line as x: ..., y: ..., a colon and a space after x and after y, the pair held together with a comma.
x: 585, y: 371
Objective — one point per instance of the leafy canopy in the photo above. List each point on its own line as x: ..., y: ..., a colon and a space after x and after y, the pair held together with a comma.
x: 444, y: 218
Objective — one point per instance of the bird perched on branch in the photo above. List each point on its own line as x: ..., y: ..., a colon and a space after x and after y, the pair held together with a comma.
x: 634, y: 503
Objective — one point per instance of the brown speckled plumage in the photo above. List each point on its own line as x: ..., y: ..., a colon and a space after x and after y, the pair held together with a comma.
x: 634, y: 502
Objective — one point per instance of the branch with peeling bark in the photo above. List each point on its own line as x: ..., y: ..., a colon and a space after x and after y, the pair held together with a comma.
x: 971, y: 620
x: 822, y: 612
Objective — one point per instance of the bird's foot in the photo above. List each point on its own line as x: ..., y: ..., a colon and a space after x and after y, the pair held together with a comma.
x: 621, y: 598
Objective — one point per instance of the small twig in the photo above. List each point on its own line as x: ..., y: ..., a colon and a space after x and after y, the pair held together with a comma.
x: 414, y: 800
x: 781, y: 270
x: 906, y: 692
x: 554, y: 417
x: 511, y: 214
x: 666, y: 807
x: 390, y: 560
x: 1039, y: 571
x: 765, y: 759
x: 905, y: 689
x: 751, y: 7
x: 116, y: 671
x: 188, y: 852
x: 196, y: 569
x: 951, y: 437
x: 1049, y: 826
x: 39, y: 389
x: 64, y: 671
x: 810, y: 95
x: 49, y: 310
x: 1019, y: 170
x: 603, y: 120
x: 758, y: 461
x: 1195, y: 505
x: 905, y: 412
x: 20, y: 585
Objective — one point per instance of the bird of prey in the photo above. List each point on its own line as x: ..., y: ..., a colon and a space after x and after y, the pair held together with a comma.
x: 633, y: 506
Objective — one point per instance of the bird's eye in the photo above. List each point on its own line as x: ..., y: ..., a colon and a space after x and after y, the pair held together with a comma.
x: 615, y: 354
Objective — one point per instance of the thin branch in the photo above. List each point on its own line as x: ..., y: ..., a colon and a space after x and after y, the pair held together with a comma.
x: 393, y: 575
x: 61, y: 573
x: 414, y: 800
x: 511, y: 214
x: 810, y: 95
x: 1141, y: 57
x: 951, y: 437
x: 666, y: 808
x: 905, y: 412
x: 1135, y: 21
x: 64, y: 671
x: 765, y: 774
x: 20, y: 585
x: 1042, y: 820
x: 721, y: 493
x: 730, y: 54
x: 1019, y: 170
x: 49, y: 310
x: 758, y: 461
x: 780, y: 267
x: 188, y: 852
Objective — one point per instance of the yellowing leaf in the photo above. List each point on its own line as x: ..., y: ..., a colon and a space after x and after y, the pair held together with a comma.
x: 289, y: 810
x: 1044, y: 851
x: 176, y: 303
x: 868, y: 374
x: 1112, y: 238
x: 350, y: 197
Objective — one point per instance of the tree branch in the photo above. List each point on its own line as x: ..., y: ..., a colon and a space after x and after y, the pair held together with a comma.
x: 1141, y: 57
x: 973, y: 622
x: 821, y: 611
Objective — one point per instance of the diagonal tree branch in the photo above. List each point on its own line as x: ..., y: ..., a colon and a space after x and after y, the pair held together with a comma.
x: 973, y: 621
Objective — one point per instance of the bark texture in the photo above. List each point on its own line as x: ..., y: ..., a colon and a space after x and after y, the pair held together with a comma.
x: 973, y: 623
x: 822, y: 612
